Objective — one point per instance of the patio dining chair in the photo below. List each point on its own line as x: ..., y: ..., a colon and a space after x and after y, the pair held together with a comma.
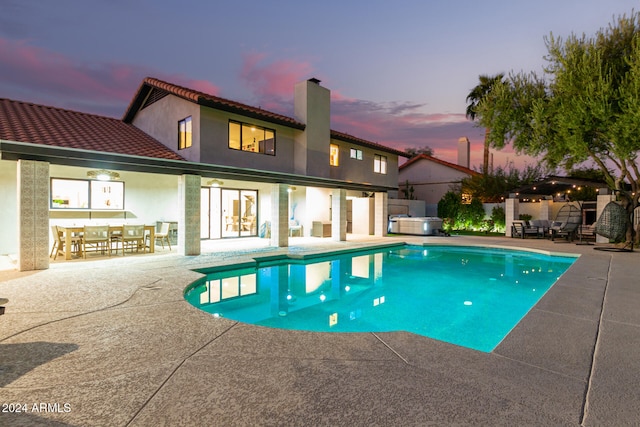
x: 59, y: 240
x: 133, y: 238
x: 96, y: 237
x: 295, y: 227
x: 163, y: 234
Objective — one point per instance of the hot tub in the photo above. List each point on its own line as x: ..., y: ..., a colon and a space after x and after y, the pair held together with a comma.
x: 423, y: 226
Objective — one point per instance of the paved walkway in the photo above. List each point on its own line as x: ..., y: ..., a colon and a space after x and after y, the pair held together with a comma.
x: 113, y: 343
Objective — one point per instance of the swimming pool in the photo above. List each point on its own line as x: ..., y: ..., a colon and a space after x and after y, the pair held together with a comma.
x: 469, y: 296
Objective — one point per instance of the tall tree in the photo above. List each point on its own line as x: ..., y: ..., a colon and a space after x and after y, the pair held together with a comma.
x: 475, y: 97
x: 415, y: 151
x: 491, y: 187
x: 587, y: 108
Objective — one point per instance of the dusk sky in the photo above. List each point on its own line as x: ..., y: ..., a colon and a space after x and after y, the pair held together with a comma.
x: 399, y: 72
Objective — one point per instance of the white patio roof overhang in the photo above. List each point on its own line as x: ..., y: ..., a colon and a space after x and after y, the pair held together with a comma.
x: 12, y: 150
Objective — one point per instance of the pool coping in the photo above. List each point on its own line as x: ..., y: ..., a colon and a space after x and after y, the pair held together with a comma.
x: 569, y: 361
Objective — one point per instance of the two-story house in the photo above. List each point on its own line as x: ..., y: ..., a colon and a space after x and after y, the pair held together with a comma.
x: 216, y: 167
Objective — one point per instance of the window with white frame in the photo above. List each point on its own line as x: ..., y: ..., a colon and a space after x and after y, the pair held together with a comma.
x: 356, y: 154
x: 379, y: 164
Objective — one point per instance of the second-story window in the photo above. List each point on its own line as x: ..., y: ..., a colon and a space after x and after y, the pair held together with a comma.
x: 356, y: 154
x: 248, y: 137
x: 380, y: 164
x: 184, y: 133
x: 334, y: 155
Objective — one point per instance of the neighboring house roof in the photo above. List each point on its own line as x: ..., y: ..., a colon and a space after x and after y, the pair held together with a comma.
x: 153, y: 89
x: 419, y: 157
x: 39, y: 124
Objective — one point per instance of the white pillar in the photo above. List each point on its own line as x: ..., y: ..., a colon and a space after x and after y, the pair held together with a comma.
x: 545, y: 210
x: 339, y: 215
x: 512, y: 213
x: 189, y: 221
x: 33, y: 215
x: 279, y: 215
x: 381, y: 214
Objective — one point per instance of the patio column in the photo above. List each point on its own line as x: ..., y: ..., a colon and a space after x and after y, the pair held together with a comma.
x: 33, y: 215
x: 381, y: 215
x: 279, y: 215
x: 604, y: 197
x: 512, y: 213
x: 339, y: 215
x: 189, y: 220
x: 545, y: 210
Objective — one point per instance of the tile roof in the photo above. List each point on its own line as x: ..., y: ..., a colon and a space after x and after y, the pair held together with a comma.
x: 39, y: 124
x: 201, y: 98
x: 349, y: 138
x: 205, y: 99
x: 436, y: 160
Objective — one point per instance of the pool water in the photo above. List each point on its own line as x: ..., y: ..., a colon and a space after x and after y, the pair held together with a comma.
x: 468, y: 296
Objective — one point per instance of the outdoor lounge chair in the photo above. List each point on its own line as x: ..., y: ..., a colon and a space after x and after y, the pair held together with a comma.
x: 566, y: 224
x: 524, y: 228
x: 586, y: 232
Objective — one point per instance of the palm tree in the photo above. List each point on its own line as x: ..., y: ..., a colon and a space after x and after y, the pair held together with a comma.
x: 474, y: 98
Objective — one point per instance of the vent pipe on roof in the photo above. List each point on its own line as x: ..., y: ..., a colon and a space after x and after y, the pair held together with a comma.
x: 464, y: 152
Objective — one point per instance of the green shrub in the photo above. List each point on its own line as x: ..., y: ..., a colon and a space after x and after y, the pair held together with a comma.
x: 459, y: 216
x: 499, y: 219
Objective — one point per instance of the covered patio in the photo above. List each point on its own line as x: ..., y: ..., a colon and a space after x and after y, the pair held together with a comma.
x: 198, y: 199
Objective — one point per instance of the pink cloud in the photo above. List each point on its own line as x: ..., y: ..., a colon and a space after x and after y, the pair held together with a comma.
x: 199, y: 85
x: 34, y: 74
x: 274, y: 80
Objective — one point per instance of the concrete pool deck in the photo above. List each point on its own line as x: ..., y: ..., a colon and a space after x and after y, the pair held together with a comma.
x: 113, y: 343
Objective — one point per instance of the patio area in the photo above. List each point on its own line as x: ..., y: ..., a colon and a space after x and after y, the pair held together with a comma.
x: 113, y: 342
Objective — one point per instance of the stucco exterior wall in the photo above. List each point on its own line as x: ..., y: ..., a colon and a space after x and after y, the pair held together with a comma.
x: 214, y: 143
x: 312, y: 106
x: 160, y: 120
x: 430, y: 180
x: 9, y: 207
x: 349, y: 169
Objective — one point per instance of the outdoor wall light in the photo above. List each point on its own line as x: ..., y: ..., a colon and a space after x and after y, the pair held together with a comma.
x: 215, y: 183
x: 103, y: 175
x: 290, y: 189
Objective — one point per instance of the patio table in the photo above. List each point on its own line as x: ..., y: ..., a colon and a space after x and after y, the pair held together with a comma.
x: 68, y: 232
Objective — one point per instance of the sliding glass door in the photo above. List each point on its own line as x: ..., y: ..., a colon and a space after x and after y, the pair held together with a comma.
x: 228, y: 213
